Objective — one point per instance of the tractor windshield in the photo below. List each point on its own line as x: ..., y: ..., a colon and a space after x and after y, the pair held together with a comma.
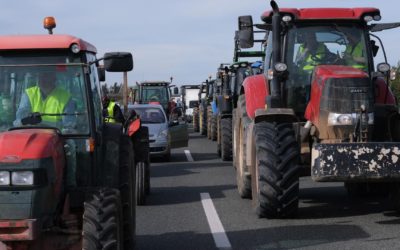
x: 309, y: 46
x: 155, y: 94
x: 45, y: 91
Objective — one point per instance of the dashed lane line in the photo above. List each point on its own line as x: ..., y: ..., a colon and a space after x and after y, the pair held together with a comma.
x: 217, y: 229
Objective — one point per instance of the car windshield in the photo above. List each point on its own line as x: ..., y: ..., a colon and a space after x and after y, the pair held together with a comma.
x: 309, y: 46
x: 150, y: 115
x: 55, y: 93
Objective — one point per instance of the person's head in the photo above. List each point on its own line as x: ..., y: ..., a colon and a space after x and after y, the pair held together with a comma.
x: 353, y: 38
x: 105, y: 100
x: 311, y: 41
x: 47, y: 81
x: 154, y: 98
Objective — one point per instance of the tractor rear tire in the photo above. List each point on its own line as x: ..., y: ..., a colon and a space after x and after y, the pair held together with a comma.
x: 226, y: 139
x: 196, y: 127
x: 127, y: 183
x: 147, y: 178
x: 214, y: 128
x: 140, y: 183
x: 275, y: 188
x: 102, y: 221
x: 234, y: 137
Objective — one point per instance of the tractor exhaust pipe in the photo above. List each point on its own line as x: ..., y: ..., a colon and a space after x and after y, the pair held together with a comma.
x: 275, y: 99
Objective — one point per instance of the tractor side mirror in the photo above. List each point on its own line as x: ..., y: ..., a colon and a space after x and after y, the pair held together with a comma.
x: 176, y: 90
x: 245, y: 35
x: 101, y: 72
x: 118, y: 62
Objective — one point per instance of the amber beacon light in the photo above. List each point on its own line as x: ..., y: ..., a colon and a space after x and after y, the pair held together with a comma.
x: 49, y: 23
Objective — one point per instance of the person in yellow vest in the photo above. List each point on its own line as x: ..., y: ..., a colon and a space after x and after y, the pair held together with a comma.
x: 355, y: 54
x: 311, y: 53
x: 50, y: 101
x: 111, y: 111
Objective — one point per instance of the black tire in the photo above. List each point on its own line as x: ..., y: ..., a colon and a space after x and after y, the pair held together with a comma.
x: 214, y: 128
x: 147, y: 186
x: 127, y: 182
x: 243, y: 176
x: 276, y: 183
x: 234, y: 137
x: 196, y: 127
x: 102, y: 221
x: 209, y: 117
x: 203, y: 121
x: 167, y: 156
x: 219, y: 137
x: 226, y: 139
x: 140, y: 183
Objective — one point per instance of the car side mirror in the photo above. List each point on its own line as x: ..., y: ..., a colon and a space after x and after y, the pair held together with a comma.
x: 173, y: 123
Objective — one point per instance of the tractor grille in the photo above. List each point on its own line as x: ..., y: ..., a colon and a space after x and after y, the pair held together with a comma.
x: 346, y: 95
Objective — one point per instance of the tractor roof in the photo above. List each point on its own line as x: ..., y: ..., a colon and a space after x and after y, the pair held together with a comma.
x: 154, y: 83
x: 28, y: 42
x: 324, y: 13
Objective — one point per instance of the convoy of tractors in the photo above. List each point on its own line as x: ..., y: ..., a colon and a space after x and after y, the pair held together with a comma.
x: 309, y: 99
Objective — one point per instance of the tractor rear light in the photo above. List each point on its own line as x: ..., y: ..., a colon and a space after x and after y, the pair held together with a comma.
x: 4, y: 178
x: 75, y: 48
x: 22, y: 178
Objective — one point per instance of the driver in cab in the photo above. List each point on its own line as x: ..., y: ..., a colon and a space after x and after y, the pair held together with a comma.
x: 311, y: 53
x: 51, y: 101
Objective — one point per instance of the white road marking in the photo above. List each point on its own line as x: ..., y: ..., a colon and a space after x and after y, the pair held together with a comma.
x: 217, y: 229
x: 188, y: 155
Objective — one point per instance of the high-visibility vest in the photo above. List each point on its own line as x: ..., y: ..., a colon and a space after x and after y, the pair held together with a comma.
x: 309, y: 63
x: 355, y: 51
x: 110, y: 112
x: 54, y: 103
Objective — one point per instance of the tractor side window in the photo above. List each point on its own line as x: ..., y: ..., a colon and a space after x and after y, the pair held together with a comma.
x: 95, y: 89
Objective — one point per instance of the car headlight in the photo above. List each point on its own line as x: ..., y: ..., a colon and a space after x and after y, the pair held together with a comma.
x: 347, y: 119
x: 163, y: 133
x: 4, y: 178
x: 22, y: 178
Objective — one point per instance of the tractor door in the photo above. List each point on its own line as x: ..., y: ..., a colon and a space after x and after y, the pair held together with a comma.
x: 178, y: 129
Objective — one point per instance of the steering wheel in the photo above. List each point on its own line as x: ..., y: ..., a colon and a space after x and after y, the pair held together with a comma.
x: 327, y: 58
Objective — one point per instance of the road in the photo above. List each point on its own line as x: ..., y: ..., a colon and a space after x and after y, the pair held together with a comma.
x: 178, y: 214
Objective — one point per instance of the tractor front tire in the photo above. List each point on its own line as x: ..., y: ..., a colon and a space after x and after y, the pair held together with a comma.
x: 226, y: 139
x: 102, y: 221
x: 214, y: 128
x: 209, y: 117
x: 140, y: 183
x: 275, y: 188
x: 127, y: 182
x: 203, y: 122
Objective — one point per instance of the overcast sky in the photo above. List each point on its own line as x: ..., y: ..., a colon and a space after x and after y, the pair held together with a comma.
x: 185, y: 39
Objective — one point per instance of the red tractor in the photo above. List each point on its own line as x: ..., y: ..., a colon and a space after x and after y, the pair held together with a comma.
x: 66, y: 177
x: 321, y: 106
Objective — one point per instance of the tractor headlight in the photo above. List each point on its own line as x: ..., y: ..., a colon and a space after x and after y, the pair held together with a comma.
x: 22, y: 178
x: 347, y: 119
x: 4, y: 178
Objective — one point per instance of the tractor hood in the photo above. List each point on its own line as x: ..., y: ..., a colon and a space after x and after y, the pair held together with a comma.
x: 338, y: 90
x: 23, y: 144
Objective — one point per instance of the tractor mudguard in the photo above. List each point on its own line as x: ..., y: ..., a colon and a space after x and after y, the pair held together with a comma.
x: 378, y: 161
x: 108, y: 172
x: 256, y: 90
x: 214, y: 107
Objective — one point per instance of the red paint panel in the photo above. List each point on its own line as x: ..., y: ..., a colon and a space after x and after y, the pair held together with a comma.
x: 380, y: 93
x: 323, y: 13
x: 321, y: 74
x: 255, y: 88
x: 43, y: 42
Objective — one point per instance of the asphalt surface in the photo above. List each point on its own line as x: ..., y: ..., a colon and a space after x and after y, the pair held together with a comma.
x: 174, y: 216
